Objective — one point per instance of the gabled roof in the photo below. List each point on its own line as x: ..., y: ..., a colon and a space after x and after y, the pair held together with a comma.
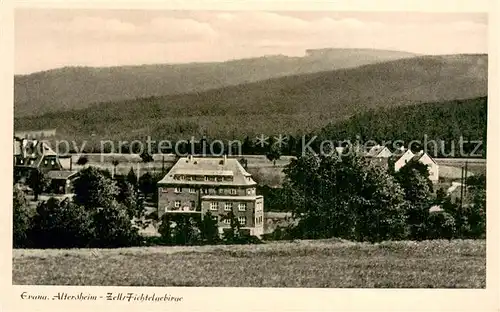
x: 397, y: 154
x: 376, y: 150
x: 32, y: 150
x: 208, y: 166
x: 421, y: 154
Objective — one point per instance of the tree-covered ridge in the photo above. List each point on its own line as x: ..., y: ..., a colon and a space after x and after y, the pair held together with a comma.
x: 448, y: 121
x: 289, y: 105
x: 77, y: 87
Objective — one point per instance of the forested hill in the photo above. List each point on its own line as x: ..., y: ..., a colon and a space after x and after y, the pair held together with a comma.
x: 288, y: 105
x: 77, y: 87
x: 447, y: 121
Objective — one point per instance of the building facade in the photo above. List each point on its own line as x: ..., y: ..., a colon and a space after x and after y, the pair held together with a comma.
x: 30, y: 155
x: 216, y: 185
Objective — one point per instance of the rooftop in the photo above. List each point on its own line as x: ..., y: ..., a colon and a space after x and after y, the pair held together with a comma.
x: 208, y: 166
x: 60, y: 174
x: 221, y: 197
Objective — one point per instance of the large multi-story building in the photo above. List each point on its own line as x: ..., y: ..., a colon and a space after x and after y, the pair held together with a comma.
x: 197, y: 185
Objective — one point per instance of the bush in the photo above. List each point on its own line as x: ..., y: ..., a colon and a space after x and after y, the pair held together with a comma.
x: 113, y: 228
x: 279, y: 233
x: 20, y: 222
x: 61, y: 224
x: 441, y: 225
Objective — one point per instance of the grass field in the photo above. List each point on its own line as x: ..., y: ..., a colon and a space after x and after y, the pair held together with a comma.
x: 325, y: 263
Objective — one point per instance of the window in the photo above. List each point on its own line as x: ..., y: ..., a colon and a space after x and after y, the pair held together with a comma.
x: 233, y: 192
x: 221, y: 191
x: 242, y: 220
x: 228, y: 206
x: 193, y: 204
x: 227, y: 221
x: 52, y: 162
x: 177, y: 204
x: 250, y: 191
x: 242, y: 206
x: 206, y: 178
x: 178, y: 190
x: 192, y: 190
x: 45, y: 162
x: 214, y: 206
x: 166, y: 208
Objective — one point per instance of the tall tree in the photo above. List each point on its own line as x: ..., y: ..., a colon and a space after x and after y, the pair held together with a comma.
x: 233, y: 234
x: 38, y: 182
x: 132, y: 177
x: 82, y: 160
x: 146, y: 157
x: 343, y: 197
x: 185, y: 231
x: 274, y: 153
x: 20, y: 216
x: 61, y: 224
x: 147, y: 184
x: 93, y: 189
x: 209, y: 231
x: 165, y: 229
x: 114, y: 228
x: 417, y: 187
x: 476, y: 211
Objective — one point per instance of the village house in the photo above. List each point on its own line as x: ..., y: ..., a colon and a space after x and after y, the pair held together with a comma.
x: 197, y: 185
x: 30, y: 155
x: 402, y: 156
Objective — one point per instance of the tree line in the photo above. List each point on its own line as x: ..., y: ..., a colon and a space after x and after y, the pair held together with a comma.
x: 349, y: 197
x: 107, y: 212
x: 441, y: 122
x: 329, y: 196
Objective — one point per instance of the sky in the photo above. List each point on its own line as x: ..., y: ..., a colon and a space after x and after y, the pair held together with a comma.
x: 53, y: 38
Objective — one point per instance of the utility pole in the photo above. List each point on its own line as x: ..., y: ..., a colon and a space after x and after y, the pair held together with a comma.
x: 465, y: 178
x: 163, y: 164
x: 461, y: 203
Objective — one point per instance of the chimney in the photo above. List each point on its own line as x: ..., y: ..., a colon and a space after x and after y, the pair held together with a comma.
x: 190, y: 157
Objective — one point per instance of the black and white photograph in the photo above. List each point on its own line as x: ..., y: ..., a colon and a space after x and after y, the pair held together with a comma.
x: 248, y: 149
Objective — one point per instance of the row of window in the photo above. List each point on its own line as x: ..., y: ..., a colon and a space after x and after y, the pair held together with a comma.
x: 242, y: 220
x: 45, y: 162
x: 259, y: 220
x: 215, y: 206
x: 228, y: 206
x: 207, y: 191
x: 177, y: 204
x: 203, y: 178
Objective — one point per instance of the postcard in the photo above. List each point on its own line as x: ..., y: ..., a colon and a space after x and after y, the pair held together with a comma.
x: 250, y: 156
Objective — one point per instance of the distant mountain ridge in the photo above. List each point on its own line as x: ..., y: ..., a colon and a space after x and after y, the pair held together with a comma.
x: 71, y: 88
x: 287, y: 105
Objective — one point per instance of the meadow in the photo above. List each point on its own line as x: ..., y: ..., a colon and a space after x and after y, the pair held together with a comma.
x: 323, y: 263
